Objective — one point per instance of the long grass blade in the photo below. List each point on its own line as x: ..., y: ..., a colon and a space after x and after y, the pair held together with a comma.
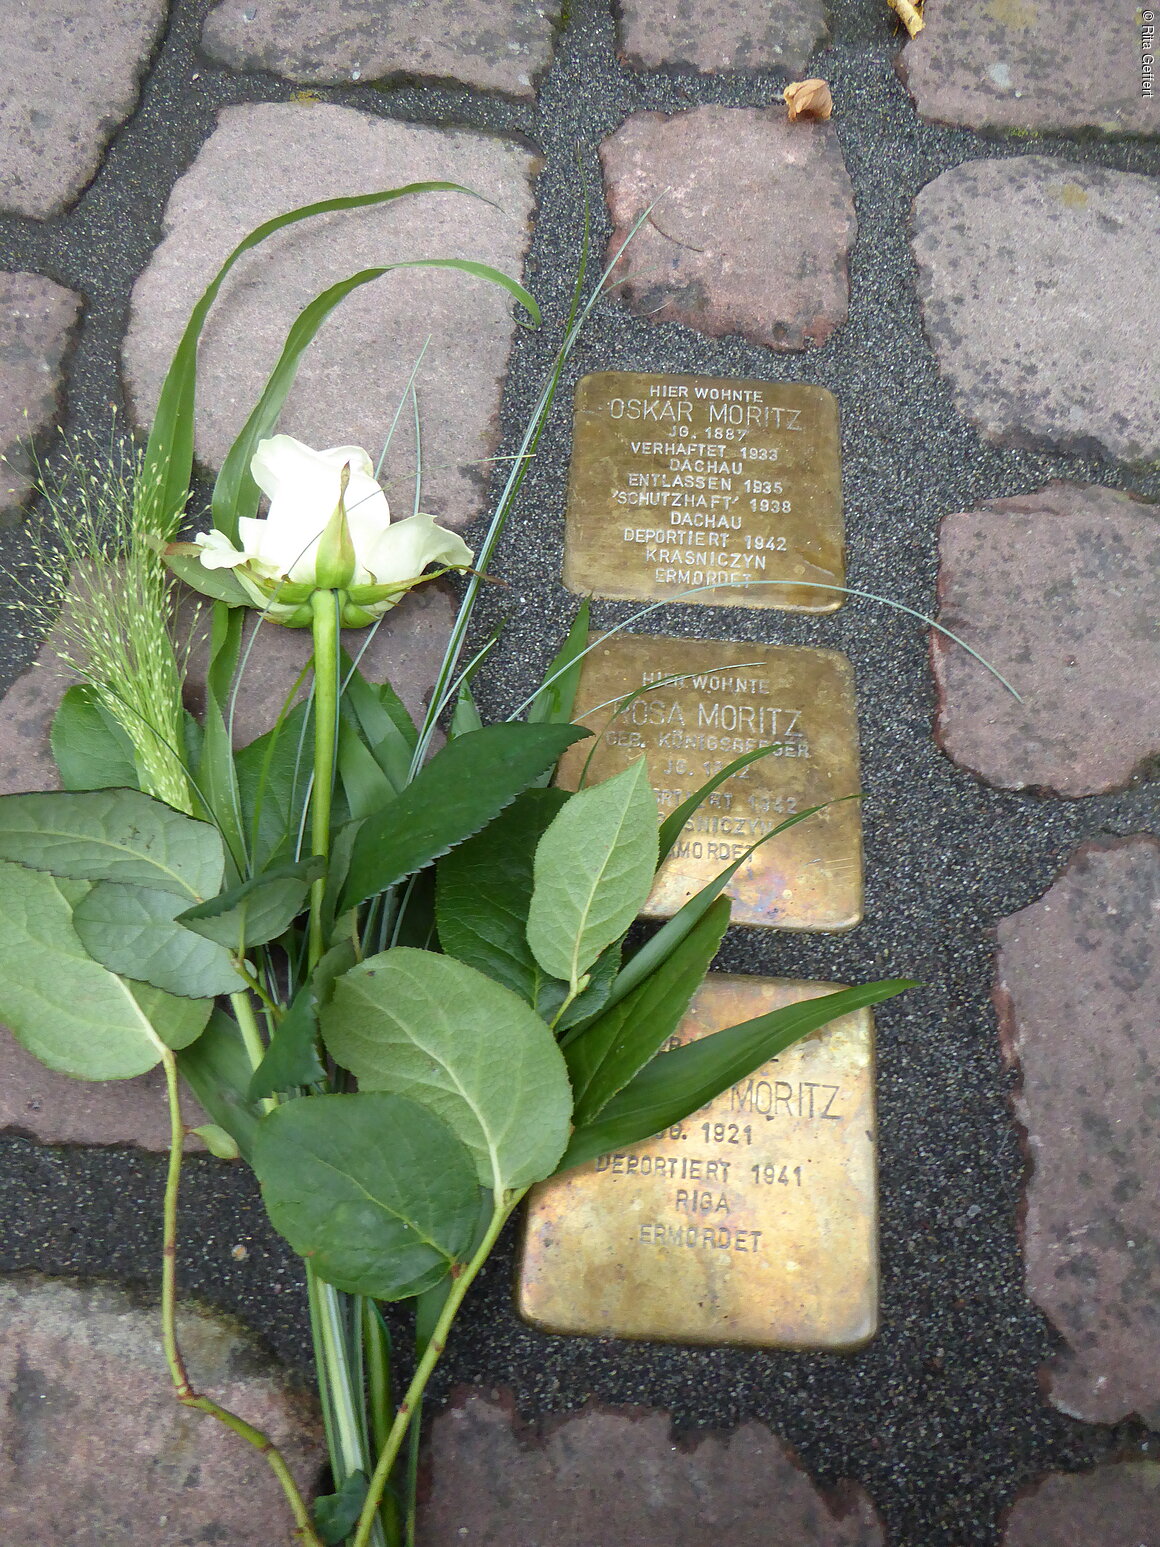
x: 235, y: 493
x: 675, y: 821
x: 394, y: 424
x: 675, y: 1084
x: 418, y: 451
x: 622, y: 704
x: 577, y: 317
x: 555, y: 698
x: 671, y: 933
x: 168, y: 459
x: 872, y: 596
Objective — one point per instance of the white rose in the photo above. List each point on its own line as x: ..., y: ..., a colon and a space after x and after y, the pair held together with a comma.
x: 283, y: 558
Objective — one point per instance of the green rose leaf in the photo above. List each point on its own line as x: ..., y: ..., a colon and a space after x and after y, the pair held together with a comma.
x: 91, y: 750
x: 484, y: 890
x: 217, y: 1069
x: 112, y: 835
x: 65, y: 1008
x: 336, y: 1514
x: 133, y: 930
x: 292, y: 1057
x: 273, y: 773
x: 674, y: 1085
x: 220, y: 584
x: 601, y: 981
x: 465, y: 785
x: 594, y: 870
x: 607, y: 1054
x: 376, y: 1190
x: 428, y: 1027
x: 256, y: 911
x: 178, y: 1022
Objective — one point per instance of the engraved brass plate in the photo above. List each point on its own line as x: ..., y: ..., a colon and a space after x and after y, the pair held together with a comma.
x: 733, y: 698
x: 679, y: 482
x: 753, y: 1221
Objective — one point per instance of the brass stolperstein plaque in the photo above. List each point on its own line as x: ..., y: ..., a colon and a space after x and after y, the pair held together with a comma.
x: 753, y: 1221
x: 731, y: 699
x: 680, y: 482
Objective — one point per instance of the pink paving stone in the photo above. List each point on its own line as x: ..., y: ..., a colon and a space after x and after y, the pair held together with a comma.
x: 406, y: 651
x: 1077, y: 992
x: 1027, y: 64
x: 1060, y: 591
x: 51, y: 1107
x: 94, y: 1450
x: 716, y: 35
x: 1029, y: 276
x: 617, y: 1479
x: 54, y: 1109
x: 264, y: 160
x: 498, y: 45
x: 1112, y: 1506
x: 37, y: 319
x: 753, y: 228
x: 69, y: 75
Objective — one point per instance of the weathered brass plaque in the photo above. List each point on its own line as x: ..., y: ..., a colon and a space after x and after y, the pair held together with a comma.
x: 680, y: 482
x: 731, y: 699
x: 753, y: 1221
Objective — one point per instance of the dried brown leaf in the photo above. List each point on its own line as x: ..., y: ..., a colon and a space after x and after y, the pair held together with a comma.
x: 808, y: 99
x: 910, y: 15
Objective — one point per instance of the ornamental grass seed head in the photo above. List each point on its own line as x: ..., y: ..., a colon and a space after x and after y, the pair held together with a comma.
x: 328, y: 528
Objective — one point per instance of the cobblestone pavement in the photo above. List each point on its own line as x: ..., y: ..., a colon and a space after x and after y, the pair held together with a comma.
x: 964, y: 256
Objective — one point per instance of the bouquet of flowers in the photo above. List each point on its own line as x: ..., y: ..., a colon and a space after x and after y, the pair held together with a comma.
x: 393, y: 973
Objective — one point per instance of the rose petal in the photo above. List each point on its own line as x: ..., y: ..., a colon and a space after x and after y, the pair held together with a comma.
x: 405, y: 549
x: 303, y: 486
x: 217, y: 552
